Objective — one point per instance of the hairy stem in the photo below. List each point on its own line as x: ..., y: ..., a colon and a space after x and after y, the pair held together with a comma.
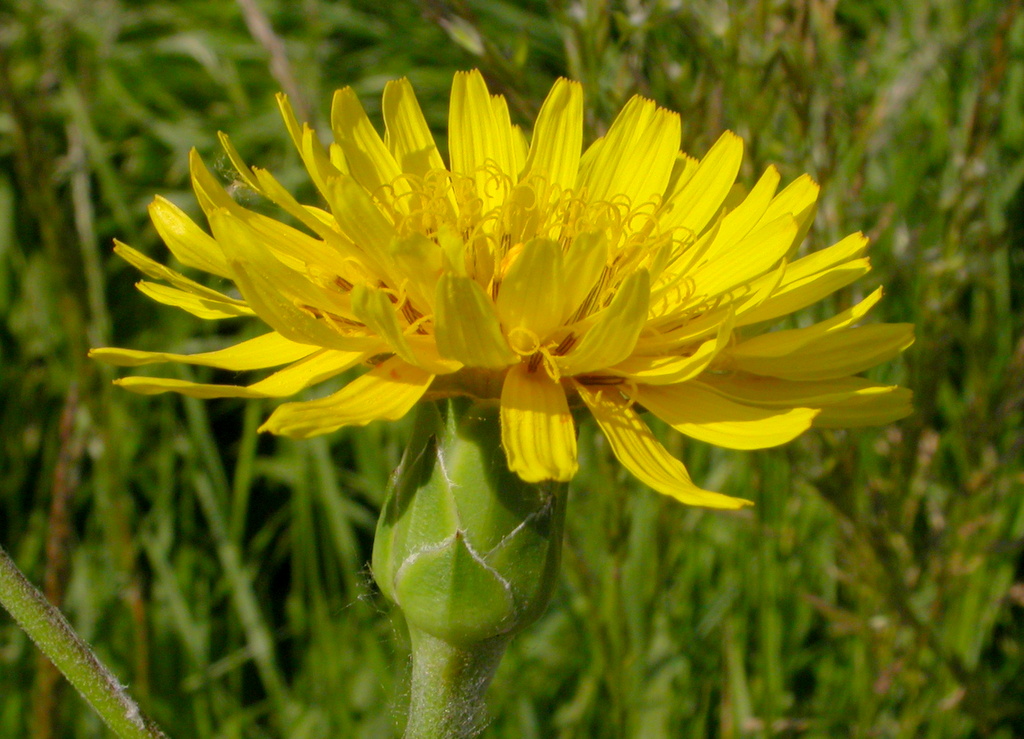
x: 72, y: 656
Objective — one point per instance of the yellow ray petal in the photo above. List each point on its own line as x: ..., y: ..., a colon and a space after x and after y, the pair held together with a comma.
x: 407, y: 134
x: 311, y: 370
x: 474, y: 139
x: 268, y: 350
x: 386, y: 393
x: 694, y: 205
x: 679, y: 366
x: 189, y: 244
x: 794, y: 295
x: 842, y: 252
x: 369, y: 160
x: 636, y: 157
x: 509, y: 135
x: 811, y: 278
x: 158, y: 385
x: 834, y: 355
x: 238, y: 163
x: 375, y: 308
x: 537, y: 430
x: 614, y: 333
x: 362, y: 222
x: 643, y: 455
x: 799, y: 199
x: 520, y: 149
x: 845, y: 402
x: 201, y: 306
x: 273, y: 290
x: 320, y: 165
x: 878, y: 409
x: 684, y: 168
x: 209, y: 192
x: 782, y: 343
x: 558, y: 136
x: 531, y: 296
x: 708, y: 416
x: 585, y: 260
x: 418, y: 259
x: 741, y: 220
x: 261, y: 244
x: 466, y: 326
x: 748, y: 259
x: 157, y: 271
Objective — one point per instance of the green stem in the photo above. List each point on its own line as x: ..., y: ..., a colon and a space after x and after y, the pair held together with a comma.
x: 448, y: 686
x: 71, y: 655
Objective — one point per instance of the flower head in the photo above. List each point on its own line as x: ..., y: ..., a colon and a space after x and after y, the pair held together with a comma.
x: 532, y: 273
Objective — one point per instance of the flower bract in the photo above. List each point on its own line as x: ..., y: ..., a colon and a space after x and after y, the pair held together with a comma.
x: 532, y: 272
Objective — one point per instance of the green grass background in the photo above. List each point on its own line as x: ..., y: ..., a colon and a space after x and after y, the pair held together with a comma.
x: 876, y: 589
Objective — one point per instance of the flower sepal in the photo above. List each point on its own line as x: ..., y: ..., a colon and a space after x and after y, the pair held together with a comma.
x: 464, y: 547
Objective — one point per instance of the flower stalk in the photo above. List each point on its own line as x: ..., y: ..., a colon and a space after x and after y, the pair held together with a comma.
x: 470, y: 553
x: 52, y: 633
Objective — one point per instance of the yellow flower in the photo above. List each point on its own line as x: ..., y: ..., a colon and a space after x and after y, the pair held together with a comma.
x: 532, y: 274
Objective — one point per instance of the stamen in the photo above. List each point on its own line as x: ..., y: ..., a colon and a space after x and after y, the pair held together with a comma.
x: 566, y: 344
x: 600, y: 380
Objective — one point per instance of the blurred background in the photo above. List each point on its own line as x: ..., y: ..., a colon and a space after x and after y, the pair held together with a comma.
x: 876, y: 589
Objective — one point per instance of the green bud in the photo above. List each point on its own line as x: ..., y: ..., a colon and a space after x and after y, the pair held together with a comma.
x: 466, y: 549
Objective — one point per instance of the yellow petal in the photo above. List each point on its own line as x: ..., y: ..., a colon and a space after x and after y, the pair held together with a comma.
x: 369, y: 160
x: 799, y: 199
x: 387, y: 392
x: 844, y: 402
x: 261, y: 244
x: 684, y: 168
x: 792, y: 296
x: 558, y: 136
x: 643, y: 455
x: 475, y: 141
x: 537, y: 430
x: 834, y: 355
x: 676, y: 367
x: 189, y: 244
x: 750, y: 258
x: 311, y: 370
x: 238, y: 163
x: 531, y: 295
x: 707, y: 416
x: 418, y: 259
x: 273, y: 291
x: 520, y: 149
x: 466, y: 326
x: 694, y: 205
x: 585, y: 260
x: 407, y: 134
x: 157, y: 271
x: 267, y: 350
x: 198, y: 305
x: 741, y: 220
x: 320, y: 165
x: 614, y: 333
x: 374, y: 308
x: 878, y: 409
x: 362, y: 222
x: 636, y: 157
x: 209, y: 192
x: 300, y: 375
x: 509, y: 135
x: 782, y: 343
x: 157, y: 385
x: 842, y: 252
